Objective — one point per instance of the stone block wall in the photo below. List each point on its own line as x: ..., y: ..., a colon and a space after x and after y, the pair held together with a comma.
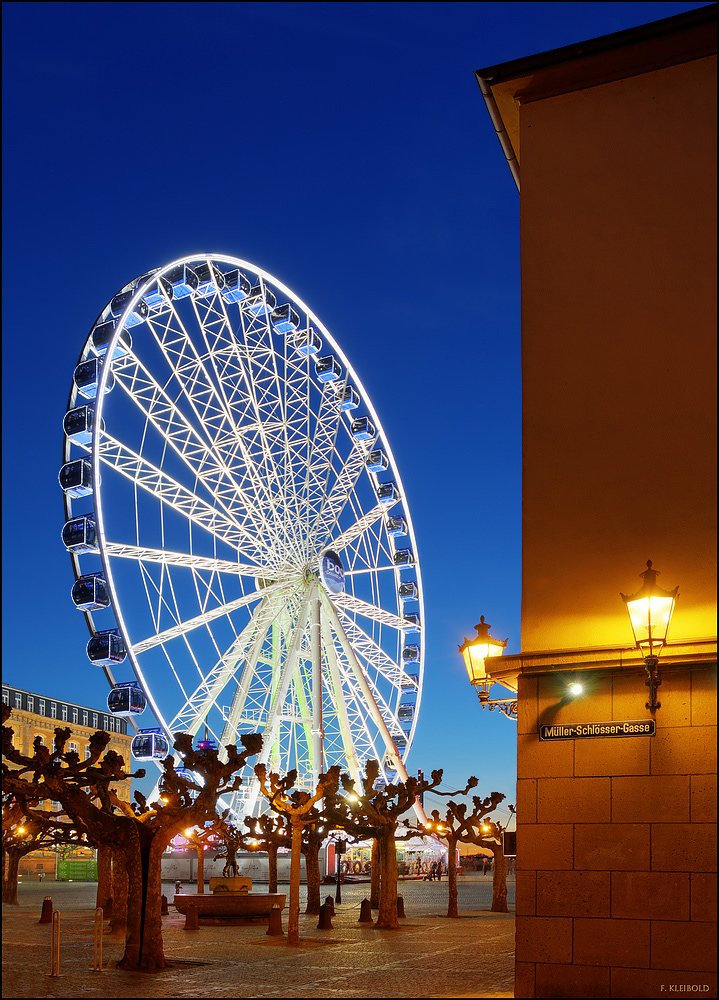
x: 616, y: 840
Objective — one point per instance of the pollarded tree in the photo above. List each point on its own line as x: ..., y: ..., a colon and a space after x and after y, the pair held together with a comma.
x: 490, y: 834
x: 268, y: 833
x: 299, y: 807
x: 140, y: 831
x: 370, y: 812
x: 458, y: 826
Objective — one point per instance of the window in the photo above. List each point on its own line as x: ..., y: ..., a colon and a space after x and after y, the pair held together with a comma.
x: 63, y: 711
x: 30, y: 703
x: 87, y: 752
x: 74, y: 715
x: 5, y: 697
x: 73, y: 746
x: 53, y: 710
x: 84, y: 718
x: 41, y: 706
x: 94, y: 720
x: 18, y: 700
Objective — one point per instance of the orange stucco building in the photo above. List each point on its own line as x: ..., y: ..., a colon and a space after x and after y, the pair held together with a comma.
x: 614, y: 143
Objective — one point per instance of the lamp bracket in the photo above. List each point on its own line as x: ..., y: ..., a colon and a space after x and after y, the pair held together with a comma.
x: 653, y: 681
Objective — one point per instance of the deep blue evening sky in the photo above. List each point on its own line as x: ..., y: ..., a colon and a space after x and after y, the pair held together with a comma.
x: 346, y: 149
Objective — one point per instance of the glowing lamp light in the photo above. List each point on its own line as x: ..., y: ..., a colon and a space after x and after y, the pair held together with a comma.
x: 650, y: 613
x: 475, y: 652
x: 575, y: 690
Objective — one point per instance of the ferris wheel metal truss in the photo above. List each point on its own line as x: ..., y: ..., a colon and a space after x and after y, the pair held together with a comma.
x: 217, y: 442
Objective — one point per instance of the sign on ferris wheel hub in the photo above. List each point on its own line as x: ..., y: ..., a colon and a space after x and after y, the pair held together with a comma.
x: 332, y: 572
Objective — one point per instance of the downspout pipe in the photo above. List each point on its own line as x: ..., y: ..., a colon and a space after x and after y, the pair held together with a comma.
x: 512, y: 163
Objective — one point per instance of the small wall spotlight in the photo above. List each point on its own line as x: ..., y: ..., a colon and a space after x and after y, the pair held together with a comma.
x: 575, y: 689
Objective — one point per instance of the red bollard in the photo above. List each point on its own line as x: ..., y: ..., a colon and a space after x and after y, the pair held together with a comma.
x: 275, y: 925
x: 325, y: 921
x: 331, y: 903
x: 46, y: 915
x: 192, y: 920
x: 400, y: 906
x: 365, y: 916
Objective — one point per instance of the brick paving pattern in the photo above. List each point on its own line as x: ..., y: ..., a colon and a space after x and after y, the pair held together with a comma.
x: 430, y: 956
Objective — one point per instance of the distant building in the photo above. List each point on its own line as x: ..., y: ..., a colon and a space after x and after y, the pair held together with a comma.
x: 36, y: 715
x: 614, y: 140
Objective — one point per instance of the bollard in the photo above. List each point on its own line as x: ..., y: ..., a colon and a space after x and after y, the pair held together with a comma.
x: 99, y: 917
x: 164, y: 911
x: 325, y: 921
x: 275, y: 925
x: 192, y: 919
x: 107, y: 909
x: 55, y: 944
x: 400, y: 906
x: 46, y: 915
x: 365, y: 916
x: 331, y: 903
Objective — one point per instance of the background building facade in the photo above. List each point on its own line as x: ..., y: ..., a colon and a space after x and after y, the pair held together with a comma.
x: 35, y: 715
x: 614, y: 141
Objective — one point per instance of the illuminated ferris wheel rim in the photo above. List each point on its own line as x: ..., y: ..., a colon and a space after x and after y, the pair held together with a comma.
x: 140, y: 288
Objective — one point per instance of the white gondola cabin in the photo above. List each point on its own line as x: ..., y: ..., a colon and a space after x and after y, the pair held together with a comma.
x: 285, y: 318
x: 126, y: 699
x: 89, y: 593
x: 79, y: 534
x: 237, y: 286
x: 327, y: 369
x: 307, y: 342
x: 138, y: 313
x: 183, y: 280
x: 106, y: 648
x: 87, y: 376
x: 261, y: 301
x: 150, y: 744
x: 76, y: 478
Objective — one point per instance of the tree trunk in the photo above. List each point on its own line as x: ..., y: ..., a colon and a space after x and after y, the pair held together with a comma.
x: 375, y: 876
x: 119, y: 893
x: 272, y: 866
x: 9, y: 883
x: 143, y: 943
x: 200, y: 870
x: 312, y: 863
x: 387, y: 917
x: 104, y: 876
x: 452, y: 877
x: 499, y: 881
x: 293, y: 918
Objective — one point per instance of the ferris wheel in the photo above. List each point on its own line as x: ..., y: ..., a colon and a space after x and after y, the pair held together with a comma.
x: 242, y: 547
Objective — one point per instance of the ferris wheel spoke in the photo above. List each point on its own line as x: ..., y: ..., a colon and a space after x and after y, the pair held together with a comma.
x: 338, y: 496
x: 371, y: 651
x: 195, y: 709
x: 182, y: 628
x: 233, y: 365
x: 280, y: 688
x: 357, y: 530
x: 191, y: 442
x: 254, y: 687
x: 168, y: 491
x: 340, y: 707
x: 186, y: 559
x: 362, y: 680
x: 353, y: 605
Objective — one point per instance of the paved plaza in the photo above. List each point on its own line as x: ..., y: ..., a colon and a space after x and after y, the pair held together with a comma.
x: 430, y: 956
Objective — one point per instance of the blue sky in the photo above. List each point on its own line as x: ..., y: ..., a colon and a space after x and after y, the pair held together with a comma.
x: 344, y: 148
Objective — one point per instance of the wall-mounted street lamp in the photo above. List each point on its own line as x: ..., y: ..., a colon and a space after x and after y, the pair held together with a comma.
x: 475, y: 652
x: 650, y: 612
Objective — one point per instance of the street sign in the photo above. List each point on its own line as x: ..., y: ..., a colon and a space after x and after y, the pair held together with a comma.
x: 597, y: 730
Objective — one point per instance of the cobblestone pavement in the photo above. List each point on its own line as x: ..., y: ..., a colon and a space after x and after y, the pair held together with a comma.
x: 430, y: 956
